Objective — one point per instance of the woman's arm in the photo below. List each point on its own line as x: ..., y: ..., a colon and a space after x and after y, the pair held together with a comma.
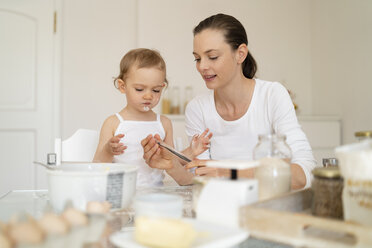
x: 284, y: 121
x: 159, y: 158
x: 298, y: 180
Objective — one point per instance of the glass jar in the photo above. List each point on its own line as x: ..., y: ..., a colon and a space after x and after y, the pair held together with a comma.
x: 165, y: 103
x: 188, y: 97
x: 198, y: 183
x: 327, y: 188
x: 363, y: 135
x: 274, y: 171
x: 175, y: 102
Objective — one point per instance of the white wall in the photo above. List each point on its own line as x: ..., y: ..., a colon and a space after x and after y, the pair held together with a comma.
x: 319, y: 49
x: 341, y: 39
x: 278, y: 36
x: 96, y: 34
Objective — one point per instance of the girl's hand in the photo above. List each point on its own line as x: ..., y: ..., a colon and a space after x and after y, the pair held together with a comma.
x: 202, y: 170
x: 114, y: 147
x: 154, y: 155
x: 200, y: 143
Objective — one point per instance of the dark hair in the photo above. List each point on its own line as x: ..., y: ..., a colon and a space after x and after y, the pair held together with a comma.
x: 141, y: 58
x: 234, y: 34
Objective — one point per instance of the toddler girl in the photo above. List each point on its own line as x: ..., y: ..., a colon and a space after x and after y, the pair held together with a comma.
x: 142, y: 78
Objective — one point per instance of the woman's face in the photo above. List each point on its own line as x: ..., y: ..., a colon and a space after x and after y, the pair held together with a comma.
x: 215, y: 60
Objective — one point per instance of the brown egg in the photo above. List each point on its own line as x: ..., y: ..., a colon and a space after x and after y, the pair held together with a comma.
x: 75, y: 217
x: 5, y: 241
x: 95, y: 207
x: 26, y: 232
x: 107, y: 206
x: 53, y: 224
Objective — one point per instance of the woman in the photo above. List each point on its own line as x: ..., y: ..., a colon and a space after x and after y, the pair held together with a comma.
x: 239, y: 108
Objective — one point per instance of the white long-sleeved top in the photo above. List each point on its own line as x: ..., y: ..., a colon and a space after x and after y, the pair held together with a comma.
x: 271, y: 111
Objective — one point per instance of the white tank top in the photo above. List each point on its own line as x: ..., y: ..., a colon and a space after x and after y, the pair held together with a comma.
x: 134, y: 132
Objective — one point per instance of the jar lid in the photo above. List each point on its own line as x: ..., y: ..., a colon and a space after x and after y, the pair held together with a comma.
x: 327, y: 172
x: 363, y: 134
x: 330, y: 162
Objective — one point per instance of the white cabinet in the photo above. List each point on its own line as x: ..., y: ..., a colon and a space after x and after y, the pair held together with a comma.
x: 323, y: 133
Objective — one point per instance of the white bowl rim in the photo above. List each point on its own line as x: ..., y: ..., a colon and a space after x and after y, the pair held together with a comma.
x: 99, y: 169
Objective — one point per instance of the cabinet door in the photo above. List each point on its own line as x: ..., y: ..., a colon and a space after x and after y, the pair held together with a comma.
x: 324, y: 136
x: 26, y: 91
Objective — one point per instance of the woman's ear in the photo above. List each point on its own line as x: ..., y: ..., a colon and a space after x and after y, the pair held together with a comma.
x: 241, y: 53
x: 121, y: 86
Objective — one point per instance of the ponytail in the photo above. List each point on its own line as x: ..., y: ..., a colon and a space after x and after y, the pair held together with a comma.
x: 249, y: 66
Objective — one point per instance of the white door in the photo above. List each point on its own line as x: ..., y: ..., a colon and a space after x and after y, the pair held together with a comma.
x: 27, y: 86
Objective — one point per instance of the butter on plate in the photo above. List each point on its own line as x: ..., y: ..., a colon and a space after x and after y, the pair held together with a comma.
x: 164, y: 232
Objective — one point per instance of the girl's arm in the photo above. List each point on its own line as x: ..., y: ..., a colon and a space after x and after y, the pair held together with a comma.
x: 198, y: 145
x: 177, y: 172
x: 109, y: 145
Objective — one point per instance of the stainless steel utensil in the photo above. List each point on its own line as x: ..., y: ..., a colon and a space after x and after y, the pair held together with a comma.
x: 178, y: 154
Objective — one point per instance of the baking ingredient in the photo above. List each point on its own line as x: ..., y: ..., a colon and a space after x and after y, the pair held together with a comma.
x: 327, y: 188
x: 164, y: 232
x: 95, y: 207
x: 75, y: 217
x: 5, y: 241
x: 274, y: 177
x: 26, y: 231
x: 355, y: 165
x: 54, y: 224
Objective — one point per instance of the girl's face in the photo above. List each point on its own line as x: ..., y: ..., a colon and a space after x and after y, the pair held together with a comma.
x: 143, y: 88
x: 215, y: 60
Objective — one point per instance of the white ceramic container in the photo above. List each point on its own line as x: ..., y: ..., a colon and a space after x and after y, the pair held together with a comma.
x: 159, y: 205
x: 84, y: 182
x: 355, y: 162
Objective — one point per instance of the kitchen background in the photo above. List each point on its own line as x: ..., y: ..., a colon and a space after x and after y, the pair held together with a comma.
x: 319, y: 49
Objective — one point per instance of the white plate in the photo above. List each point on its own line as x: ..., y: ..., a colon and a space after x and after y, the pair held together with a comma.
x: 217, y: 236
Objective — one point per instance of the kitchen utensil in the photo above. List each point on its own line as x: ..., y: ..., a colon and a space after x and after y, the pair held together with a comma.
x: 355, y: 165
x: 81, y: 183
x: 159, y: 205
x: 178, y: 154
x: 49, y: 167
x: 220, y: 199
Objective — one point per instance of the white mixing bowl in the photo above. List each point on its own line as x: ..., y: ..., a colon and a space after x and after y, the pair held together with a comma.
x: 84, y: 182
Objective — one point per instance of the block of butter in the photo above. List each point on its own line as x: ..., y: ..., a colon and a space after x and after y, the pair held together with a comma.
x: 164, y: 232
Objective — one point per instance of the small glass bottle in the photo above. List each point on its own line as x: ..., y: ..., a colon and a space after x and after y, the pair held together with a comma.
x: 363, y: 135
x: 188, y: 97
x: 274, y: 172
x: 327, y: 188
x: 175, y: 102
x: 165, y: 103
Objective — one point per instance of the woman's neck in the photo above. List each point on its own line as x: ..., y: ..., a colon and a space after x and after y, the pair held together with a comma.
x: 233, y: 101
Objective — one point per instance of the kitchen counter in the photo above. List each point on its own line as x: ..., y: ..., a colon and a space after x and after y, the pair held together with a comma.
x: 34, y: 202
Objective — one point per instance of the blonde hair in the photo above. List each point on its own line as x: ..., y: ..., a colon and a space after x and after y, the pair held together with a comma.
x: 141, y: 58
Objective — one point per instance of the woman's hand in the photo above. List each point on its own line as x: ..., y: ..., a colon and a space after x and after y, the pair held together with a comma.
x: 114, y: 147
x: 154, y: 155
x: 202, y: 170
x: 200, y: 143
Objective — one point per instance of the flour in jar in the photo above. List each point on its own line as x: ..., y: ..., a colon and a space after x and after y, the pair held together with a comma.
x: 274, y: 177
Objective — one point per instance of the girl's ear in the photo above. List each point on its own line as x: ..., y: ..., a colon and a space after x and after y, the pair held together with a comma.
x: 241, y: 53
x: 121, y: 86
